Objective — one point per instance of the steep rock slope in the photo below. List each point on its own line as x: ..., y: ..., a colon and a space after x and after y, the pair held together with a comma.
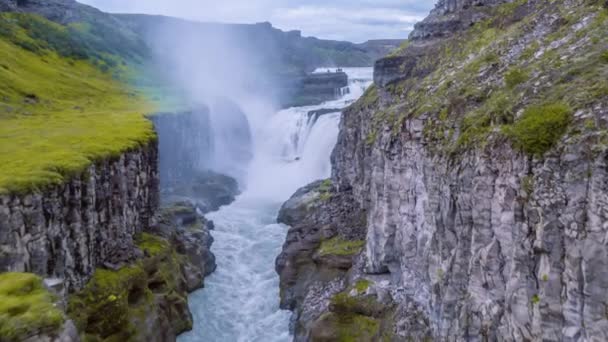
x: 480, y: 158
x: 69, y: 230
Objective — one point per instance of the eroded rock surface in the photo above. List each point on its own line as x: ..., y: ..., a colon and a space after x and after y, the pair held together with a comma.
x: 472, y: 233
x: 69, y: 230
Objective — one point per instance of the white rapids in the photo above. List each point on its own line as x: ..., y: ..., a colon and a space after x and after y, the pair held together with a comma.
x: 240, y: 301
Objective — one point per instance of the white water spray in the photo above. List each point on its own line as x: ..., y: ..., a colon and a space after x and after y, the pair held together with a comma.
x: 240, y: 301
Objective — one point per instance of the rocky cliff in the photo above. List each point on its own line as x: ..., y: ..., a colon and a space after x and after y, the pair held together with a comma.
x: 480, y: 160
x: 68, y: 231
x: 119, y: 267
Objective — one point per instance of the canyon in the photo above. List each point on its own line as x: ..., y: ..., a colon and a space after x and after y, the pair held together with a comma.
x: 457, y: 194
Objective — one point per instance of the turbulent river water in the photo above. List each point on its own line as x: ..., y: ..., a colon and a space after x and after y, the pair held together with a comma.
x: 240, y: 301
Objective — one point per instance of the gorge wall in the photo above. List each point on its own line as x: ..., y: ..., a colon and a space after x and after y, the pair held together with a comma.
x: 69, y: 230
x: 480, y: 160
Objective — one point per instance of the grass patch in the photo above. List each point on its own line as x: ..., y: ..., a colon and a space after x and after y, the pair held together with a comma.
x: 604, y: 57
x: 362, y: 285
x: 152, y: 244
x: 515, y: 77
x: 540, y: 127
x: 325, y: 190
x: 26, y: 307
x: 339, y: 246
x: 58, y: 113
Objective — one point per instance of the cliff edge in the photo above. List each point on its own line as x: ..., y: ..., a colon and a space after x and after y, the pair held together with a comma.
x: 479, y: 158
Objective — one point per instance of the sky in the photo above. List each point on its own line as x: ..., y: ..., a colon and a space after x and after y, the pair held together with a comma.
x: 351, y: 20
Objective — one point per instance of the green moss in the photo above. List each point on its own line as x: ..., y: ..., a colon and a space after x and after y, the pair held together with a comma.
x: 530, y: 51
x: 338, y: 246
x: 349, y: 328
x: 545, y: 277
x: 500, y: 108
x: 362, y: 285
x: 102, y: 308
x: 114, y: 304
x: 369, y: 98
x: 515, y: 77
x: 535, y: 299
x: 325, y: 186
x: 540, y: 127
x: 152, y: 244
x: 325, y: 190
x: 58, y: 113
x: 26, y: 307
x: 604, y: 57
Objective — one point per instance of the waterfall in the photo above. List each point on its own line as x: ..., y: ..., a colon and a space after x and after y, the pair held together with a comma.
x: 240, y: 301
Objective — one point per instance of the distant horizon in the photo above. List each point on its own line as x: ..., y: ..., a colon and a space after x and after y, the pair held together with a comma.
x: 357, y: 22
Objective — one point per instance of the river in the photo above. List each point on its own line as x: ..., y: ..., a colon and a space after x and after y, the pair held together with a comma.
x: 240, y: 301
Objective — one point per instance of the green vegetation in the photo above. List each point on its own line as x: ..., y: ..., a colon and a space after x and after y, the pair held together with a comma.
x: 535, y: 299
x: 515, y: 77
x: 339, y: 246
x: 604, y: 56
x: 362, y: 285
x: 352, y: 318
x: 103, y: 307
x: 58, y: 111
x: 325, y: 190
x: 114, y: 304
x: 349, y: 328
x: 464, y: 107
x: 152, y: 244
x: 540, y: 127
x: 26, y: 307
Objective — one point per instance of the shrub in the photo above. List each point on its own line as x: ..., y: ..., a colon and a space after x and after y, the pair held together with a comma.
x: 540, y: 127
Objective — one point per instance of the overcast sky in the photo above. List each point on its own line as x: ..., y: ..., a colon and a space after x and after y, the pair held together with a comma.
x: 352, y: 20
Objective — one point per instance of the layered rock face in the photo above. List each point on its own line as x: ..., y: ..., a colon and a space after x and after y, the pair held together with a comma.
x: 185, y: 144
x: 481, y: 225
x: 69, y: 230
x: 450, y: 16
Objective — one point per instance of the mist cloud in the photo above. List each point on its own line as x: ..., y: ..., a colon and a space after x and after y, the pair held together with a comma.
x: 354, y: 20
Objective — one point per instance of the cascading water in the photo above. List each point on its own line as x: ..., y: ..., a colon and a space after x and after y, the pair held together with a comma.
x: 240, y: 301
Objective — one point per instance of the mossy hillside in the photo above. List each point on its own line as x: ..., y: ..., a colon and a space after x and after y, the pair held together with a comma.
x: 60, y: 112
x: 482, y: 78
x: 26, y: 307
x: 114, y: 304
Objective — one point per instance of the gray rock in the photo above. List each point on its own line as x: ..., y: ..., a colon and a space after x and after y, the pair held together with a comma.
x: 68, y: 231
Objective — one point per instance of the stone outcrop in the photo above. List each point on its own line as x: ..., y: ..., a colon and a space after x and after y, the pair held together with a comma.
x: 316, y: 88
x: 475, y: 230
x: 147, y: 300
x: 450, y: 16
x: 69, y: 230
x: 324, y: 237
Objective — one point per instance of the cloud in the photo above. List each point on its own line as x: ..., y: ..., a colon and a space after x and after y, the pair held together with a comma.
x: 353, y: 20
